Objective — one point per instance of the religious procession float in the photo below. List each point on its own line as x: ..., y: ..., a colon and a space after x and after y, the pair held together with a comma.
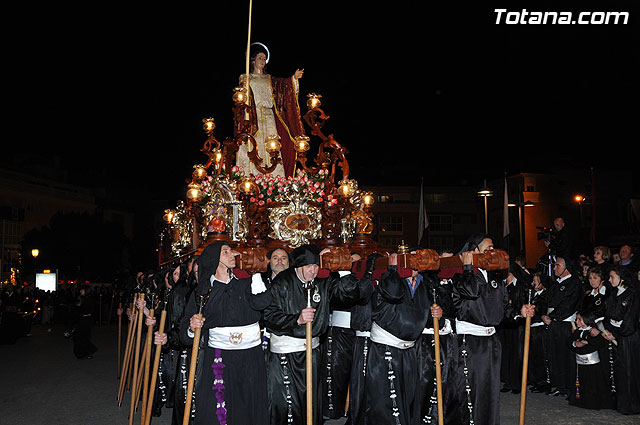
x: 264, y: 187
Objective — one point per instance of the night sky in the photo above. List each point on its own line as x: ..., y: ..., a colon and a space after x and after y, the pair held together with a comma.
x: 118, y: 92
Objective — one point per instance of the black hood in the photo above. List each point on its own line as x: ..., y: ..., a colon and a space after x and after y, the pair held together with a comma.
x: 208, y: 262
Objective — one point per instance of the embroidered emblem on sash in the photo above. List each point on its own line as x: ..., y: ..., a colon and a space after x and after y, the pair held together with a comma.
x: 494, y: 284
x: 235, y: 338
x: 562, y: 288
x: 316, y: 296
x: 598, y: 301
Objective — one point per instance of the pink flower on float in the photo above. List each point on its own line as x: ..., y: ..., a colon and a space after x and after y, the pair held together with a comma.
x: 320, y: 199
x: 261, y: 202
x: 252, y: 199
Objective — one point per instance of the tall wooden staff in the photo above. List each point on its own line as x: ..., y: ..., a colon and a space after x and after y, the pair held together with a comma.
x: 119, y: 337
x: 436, y: 339
x: 525, y: 365
x: 127, y: 353
x: 201, y: 300
x: 309, y: 286
x: 156, y: 365
x: 147, y: 364
x: 136, y: 358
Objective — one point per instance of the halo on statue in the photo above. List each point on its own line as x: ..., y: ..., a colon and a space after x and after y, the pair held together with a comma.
x: 265, y: 48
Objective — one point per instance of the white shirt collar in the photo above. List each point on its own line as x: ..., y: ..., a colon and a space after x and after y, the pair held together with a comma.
x: 602, y: 291
x: 562, y: 279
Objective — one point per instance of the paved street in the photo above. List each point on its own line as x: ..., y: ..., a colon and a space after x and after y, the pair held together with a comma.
x: 43, y: 383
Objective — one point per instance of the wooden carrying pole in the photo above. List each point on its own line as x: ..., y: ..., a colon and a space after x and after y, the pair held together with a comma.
x: 525, y: 366
x: 154, y: 372
x: 309, y: 364
x: 192, y: 374
x: 436, y: 339
x: 147, y: 366
x: 119, y: 339
x: 127, y: 355
x: 136, y: 358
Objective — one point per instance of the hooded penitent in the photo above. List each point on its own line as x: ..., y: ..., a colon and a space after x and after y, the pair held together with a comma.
x: 208, y: 262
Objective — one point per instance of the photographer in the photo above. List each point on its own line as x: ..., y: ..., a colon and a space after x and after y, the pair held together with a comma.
x: 557, y: 239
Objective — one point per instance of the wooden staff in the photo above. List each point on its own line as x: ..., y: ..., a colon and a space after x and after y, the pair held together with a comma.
x: 525, y: 365
x: 147, y: 366
x: 141, y: 375
x: 127, y: 356
x: 436, y: 339
x: 309, y: 362
x: 119, y: 338
x: 156, y: 365
x: 136, y: 359
x: 201, y: 300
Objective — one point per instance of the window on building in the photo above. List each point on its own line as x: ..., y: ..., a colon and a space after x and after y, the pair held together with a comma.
x: 390, y: 224
x: 440, y: 223
x: 385, y: 198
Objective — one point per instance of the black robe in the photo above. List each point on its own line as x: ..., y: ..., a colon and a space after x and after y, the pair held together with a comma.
x: 564, y: 298
x: 391, y: 372
x: 511, y: 333
x: 592, y: 388
x: 426, y: 401
x: 623, y: 310
x: 173, y: 371
x: 360, y: 322
x: 82, y: 345
x: 538, y: 371
x: 244, y: 374
x: 287, y: 372
x: 485, y: 304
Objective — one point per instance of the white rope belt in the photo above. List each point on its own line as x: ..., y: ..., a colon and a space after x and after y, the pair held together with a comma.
x: 382, y: 336
x: 235, y: 337
x: 468, y: 328
x: 446, y: 329
x: 340, y: 319
x: 283, y: 344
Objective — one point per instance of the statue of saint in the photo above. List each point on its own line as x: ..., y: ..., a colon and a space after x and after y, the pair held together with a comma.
x: 274, y: 113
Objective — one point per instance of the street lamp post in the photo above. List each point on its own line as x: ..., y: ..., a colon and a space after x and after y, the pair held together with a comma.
x: 485, y: 192
x: 520, y: 206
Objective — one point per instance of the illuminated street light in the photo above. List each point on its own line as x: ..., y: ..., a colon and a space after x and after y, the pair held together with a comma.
x: 485, y: 192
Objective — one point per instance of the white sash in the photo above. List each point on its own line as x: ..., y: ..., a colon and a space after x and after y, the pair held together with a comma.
x: 365, y: 334
x: 382, y: 336
x: 587, y: 359
x: 340, y: 319
x: 469, y: 328
x: 235, y: 337
x: 446, y: 329
x: 283, y: 344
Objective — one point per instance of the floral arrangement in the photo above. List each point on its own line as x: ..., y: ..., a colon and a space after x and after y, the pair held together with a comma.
x: 271, y: 188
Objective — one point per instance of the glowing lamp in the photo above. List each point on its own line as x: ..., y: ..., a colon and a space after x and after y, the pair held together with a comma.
x: 209, y: 125
x: 246, y: 185
x: 168, y: 216
x: 199, y: 172
x: 194, y: 193
x: 273, y: 145
x: 578, y: 198
x: 367, y: 198
x: 239, y: 95
x: 35, y: 252
x: 313, y: 100
x: 217, y: 155
x: 302, y: 144
x: 347, y: 187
